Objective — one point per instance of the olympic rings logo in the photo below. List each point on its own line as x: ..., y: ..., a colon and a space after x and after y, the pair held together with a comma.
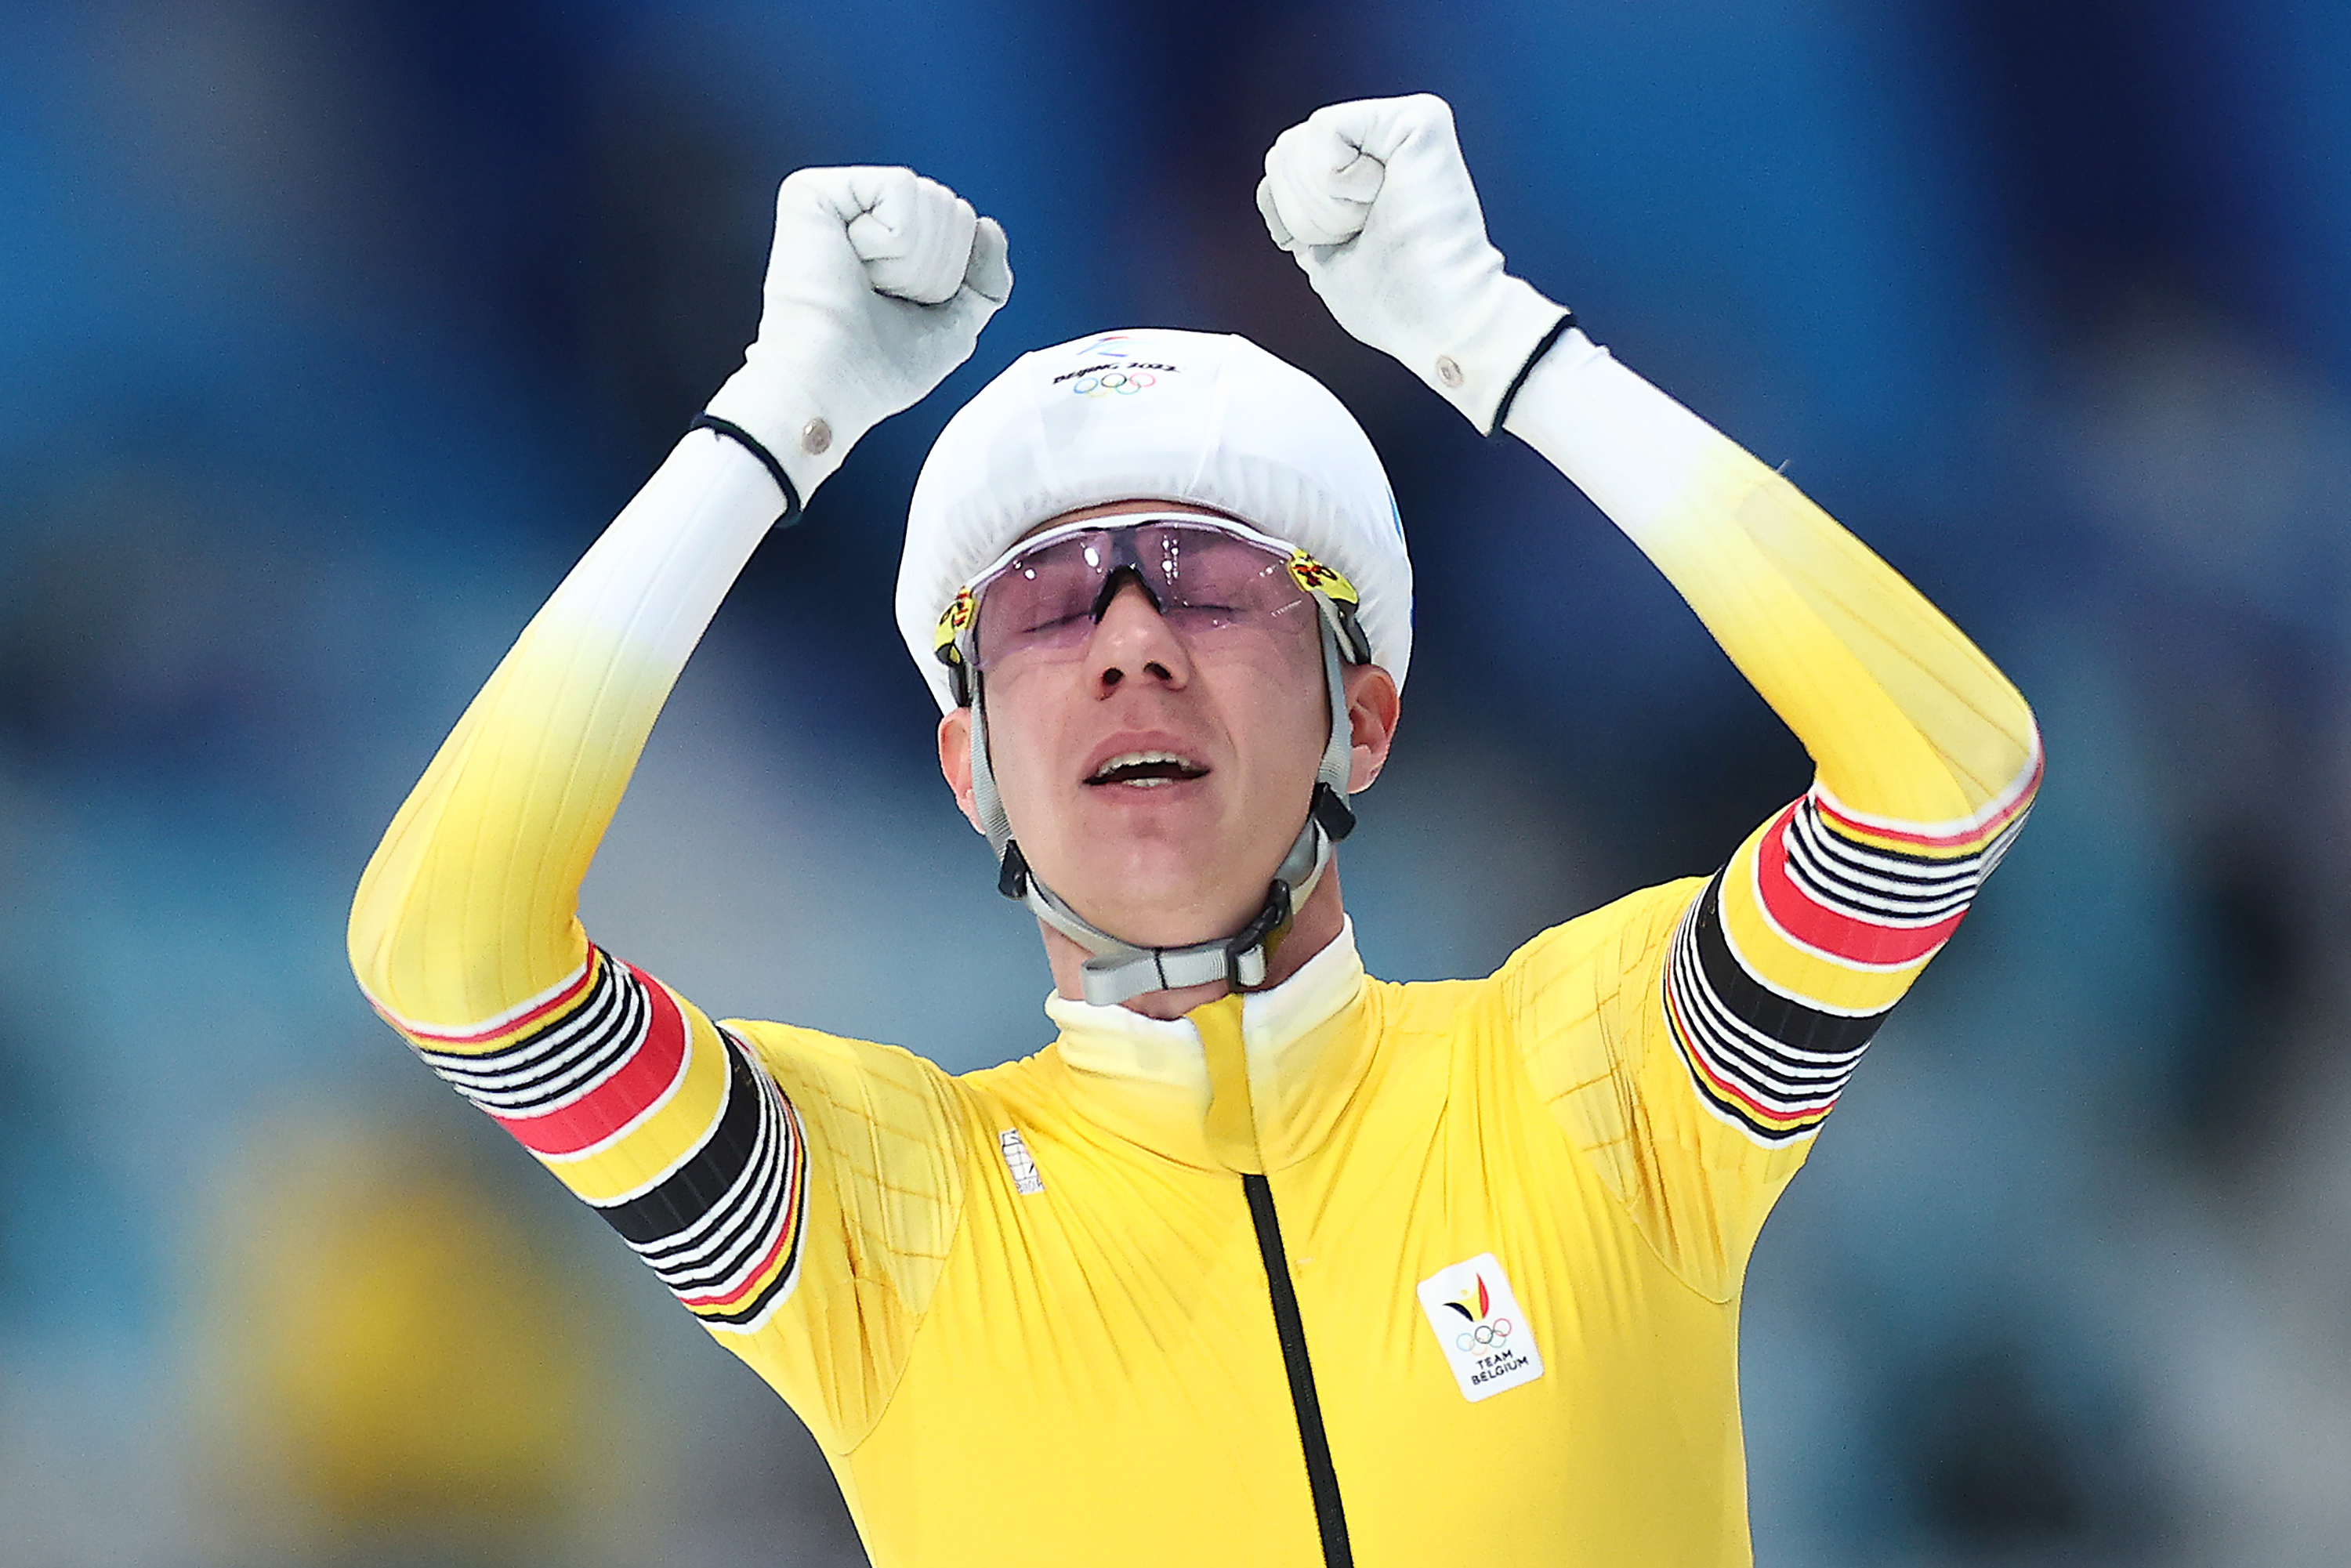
x: 1113, y: 383
x: 1490, y: 1334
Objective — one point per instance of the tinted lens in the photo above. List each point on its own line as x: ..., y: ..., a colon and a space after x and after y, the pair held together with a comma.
x: 1043, y: 601
x: 1208, y: 583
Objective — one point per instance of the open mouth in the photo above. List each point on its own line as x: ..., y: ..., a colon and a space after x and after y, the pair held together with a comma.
x: 1147, y: 770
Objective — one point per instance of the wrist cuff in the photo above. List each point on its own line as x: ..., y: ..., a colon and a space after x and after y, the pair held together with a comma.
x: 1510, y: 394
x: 1491, y: 347
x: 768, y: 403
x: 751, y: 444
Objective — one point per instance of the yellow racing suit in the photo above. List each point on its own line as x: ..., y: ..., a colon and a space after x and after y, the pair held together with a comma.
x: 1451, y: 1270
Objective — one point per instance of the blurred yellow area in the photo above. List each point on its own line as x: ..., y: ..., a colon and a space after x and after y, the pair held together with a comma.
x: 391, y: 1363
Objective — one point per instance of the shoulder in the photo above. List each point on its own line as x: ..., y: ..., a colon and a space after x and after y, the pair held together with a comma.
x: 1601, y: 944
x: 1013, y: 1079
x: 1033, y: 1089
x: 837, y: 1074
x: 1601, y: 937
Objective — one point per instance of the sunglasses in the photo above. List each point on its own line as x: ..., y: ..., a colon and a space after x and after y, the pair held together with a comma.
x: 1212, y: 582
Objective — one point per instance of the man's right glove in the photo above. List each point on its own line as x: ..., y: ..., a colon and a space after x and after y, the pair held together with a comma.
x: 878, y: 284
x: 1374, y: 201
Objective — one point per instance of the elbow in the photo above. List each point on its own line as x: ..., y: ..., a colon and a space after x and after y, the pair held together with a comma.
x: 379, y: 909
x: 2031, y: 762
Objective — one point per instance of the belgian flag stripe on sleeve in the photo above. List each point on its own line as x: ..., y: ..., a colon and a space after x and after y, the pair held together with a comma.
x: 655, y: 1117
x: 1819, y: 886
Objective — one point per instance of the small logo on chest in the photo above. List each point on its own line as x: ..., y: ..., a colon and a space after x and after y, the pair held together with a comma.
x: 1025, y: 1179
x: 1486, y: 1339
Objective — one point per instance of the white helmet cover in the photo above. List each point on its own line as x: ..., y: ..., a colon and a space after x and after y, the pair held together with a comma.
x: 1154, y: 414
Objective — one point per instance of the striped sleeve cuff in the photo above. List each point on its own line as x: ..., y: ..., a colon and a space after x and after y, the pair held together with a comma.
x: 607, y: 1073
x: 1785, y: 965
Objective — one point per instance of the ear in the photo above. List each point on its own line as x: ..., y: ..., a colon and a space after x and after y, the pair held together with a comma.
x: 955, y: 761
x: 1374, y: 706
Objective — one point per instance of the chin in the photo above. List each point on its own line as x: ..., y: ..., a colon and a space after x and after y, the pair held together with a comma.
x: 1163, y: 900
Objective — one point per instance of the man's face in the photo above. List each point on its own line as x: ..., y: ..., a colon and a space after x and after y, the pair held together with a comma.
x: 1155, y: 776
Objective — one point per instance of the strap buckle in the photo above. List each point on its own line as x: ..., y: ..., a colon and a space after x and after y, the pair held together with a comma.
x: 1246, y: 956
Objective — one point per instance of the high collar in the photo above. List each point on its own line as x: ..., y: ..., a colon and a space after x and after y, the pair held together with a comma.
x: 1306, y: 1042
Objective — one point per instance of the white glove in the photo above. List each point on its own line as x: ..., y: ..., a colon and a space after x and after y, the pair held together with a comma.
x: 878, y: 286
x: 1372, y: 199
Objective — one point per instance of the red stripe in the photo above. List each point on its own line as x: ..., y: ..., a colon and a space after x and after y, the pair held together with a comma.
x: 570, y: 994
x: 640, y: 1079
x: 758, y: 1276
x: 1827, y: 930
x: 1964, y: 839
x: 1781, y: 1120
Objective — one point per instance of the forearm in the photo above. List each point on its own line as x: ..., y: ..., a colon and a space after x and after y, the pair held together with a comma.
x: 1785, y: 964
x: 1905, y: 719
x: 467, y: 909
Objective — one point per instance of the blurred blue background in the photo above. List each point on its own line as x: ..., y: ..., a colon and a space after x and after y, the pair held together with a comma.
x: 330, y: 335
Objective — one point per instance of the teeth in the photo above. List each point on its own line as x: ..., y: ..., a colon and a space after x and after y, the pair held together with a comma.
x: 1145, y: 759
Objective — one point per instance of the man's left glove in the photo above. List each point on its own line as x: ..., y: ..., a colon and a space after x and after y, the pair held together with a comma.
x: 878, y: 286
x: 1374, y: 201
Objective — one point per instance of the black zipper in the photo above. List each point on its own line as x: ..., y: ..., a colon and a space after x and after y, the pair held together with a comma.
x: 1322, y: 1477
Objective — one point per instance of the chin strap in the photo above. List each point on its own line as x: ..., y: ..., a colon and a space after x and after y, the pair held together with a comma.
x: 1120, y: 970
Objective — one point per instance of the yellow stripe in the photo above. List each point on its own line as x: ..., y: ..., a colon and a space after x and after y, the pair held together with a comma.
x: 1231, y: 1127
x: 1748, y: 1118
x: 1801, y: 974
x: 665, y: 1136
x: 1852, y: 833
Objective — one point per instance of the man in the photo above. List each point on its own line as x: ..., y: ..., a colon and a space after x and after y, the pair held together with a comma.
x: 1260, y: 1260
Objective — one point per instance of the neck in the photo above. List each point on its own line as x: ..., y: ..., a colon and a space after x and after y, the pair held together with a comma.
x: 1312, y: 927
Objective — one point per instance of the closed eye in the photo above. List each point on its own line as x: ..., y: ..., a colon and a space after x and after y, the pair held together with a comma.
x: 1056, y: 623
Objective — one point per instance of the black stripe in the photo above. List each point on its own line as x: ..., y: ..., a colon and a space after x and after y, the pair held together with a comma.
x: 1793, y: 1078
x: 689, y: 1193
x: 1715, y: 1027
x: 1510, y: 393
x: 786, y: 1276
x: 577, y: 1053
x: 1840, y: 890
x: 1900, y: 865
x: 1926, y: 864
x: 559, y: 1058
x: 758, y: 449
x: 1722, y: 1026
x: 1873, y: 896
x: 518, y: 1067
x: 1873, y: 887
x: 1322, y: 1476
x: 516, y: 1054
x: 1732, y: 1108
x: 706, y: 1254
x: 1713, y: 1093
x: 685, y: 1198
x: 1761, y: 1008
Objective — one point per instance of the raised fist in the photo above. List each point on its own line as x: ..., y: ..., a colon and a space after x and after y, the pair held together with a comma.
x: 878, y: 284
x: 1372, y: 200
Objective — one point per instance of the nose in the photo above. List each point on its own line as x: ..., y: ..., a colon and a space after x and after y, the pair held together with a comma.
x: 1132, y: 640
